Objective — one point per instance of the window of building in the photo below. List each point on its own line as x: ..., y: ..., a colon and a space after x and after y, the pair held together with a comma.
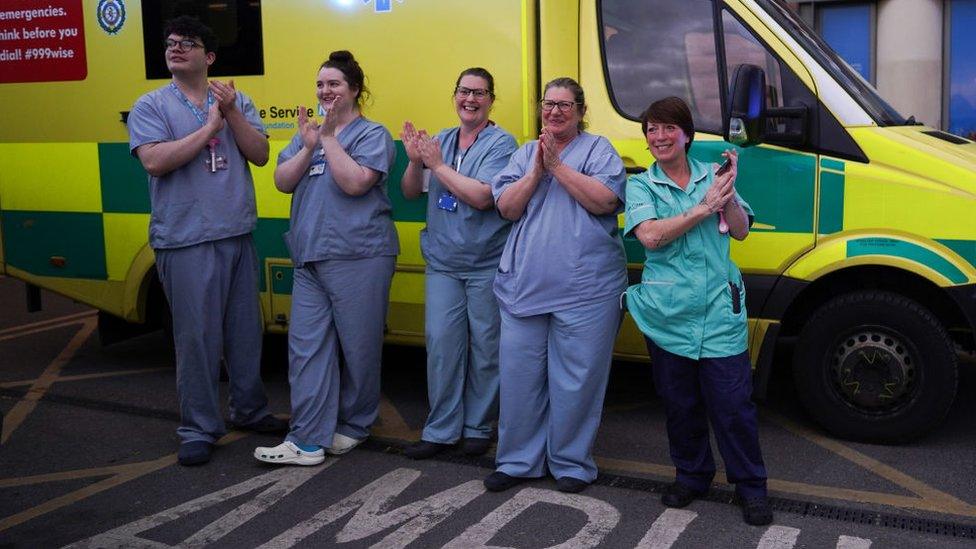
x: 237, y: 24
x: 849, y: 29
x: 961, y: 63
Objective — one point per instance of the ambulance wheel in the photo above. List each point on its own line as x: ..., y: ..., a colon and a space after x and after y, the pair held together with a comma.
x: 875, y: 366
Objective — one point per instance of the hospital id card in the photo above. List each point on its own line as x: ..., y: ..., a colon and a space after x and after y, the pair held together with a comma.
x: 317, y: 168
x: 447, y: 202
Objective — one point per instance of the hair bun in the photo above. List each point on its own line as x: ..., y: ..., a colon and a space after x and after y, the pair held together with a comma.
x: 341, y: 56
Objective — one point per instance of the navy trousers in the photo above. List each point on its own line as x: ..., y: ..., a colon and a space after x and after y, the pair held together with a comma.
x: 717, y: 390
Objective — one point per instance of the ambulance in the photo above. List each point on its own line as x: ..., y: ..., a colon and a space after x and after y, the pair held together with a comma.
x: 862, y: 258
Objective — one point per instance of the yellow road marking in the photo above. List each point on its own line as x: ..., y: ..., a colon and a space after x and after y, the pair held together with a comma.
x: 799, y: 488
x: 392, y: 425
x: 83, y: 377
x: 43, y: 325
x: 929, y: 497
x: 120, y: 474
x: 40, y: 386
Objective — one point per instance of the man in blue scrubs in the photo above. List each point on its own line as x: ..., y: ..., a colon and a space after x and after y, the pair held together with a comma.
x: 195, y: 139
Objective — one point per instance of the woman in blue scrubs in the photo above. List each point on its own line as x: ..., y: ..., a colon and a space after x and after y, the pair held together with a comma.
x: 690, y: 305
x: 343, y: 245
x: 461, y: 245
x: 558, y: 286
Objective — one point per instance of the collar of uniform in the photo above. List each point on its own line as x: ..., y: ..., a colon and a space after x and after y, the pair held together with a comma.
x: 699, y: 171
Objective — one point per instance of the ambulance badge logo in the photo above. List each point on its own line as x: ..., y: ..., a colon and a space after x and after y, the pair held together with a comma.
x: 382, y: 6
x: 110, y: 15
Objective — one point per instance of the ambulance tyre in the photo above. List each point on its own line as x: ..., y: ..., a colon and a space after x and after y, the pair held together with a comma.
x: 875, y: 366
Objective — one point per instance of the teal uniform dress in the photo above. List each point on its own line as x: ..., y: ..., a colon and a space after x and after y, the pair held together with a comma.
x: 690, y: 305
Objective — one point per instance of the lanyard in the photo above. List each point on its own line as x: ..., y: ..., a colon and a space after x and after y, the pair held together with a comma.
x: 459, y: 156
x: 201, y: 116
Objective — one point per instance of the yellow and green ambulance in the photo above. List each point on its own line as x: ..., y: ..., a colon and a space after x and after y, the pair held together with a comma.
x: 862, y: 257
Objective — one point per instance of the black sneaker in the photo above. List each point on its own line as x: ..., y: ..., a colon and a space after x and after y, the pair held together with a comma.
x: 475, y: 446
x: 678, y: 495
x: 423, y: 449
x: 499, y: 481
x: 195, y: 452
x: 571, y: 485
x: 756, y: 511
x: 269, y: 424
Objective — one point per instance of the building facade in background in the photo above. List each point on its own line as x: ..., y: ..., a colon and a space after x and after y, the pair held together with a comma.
x: 920, y: 54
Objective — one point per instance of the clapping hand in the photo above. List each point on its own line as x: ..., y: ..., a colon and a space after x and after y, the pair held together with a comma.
x: 409, y: 136
x: 308, y: 128
x: 225, y: 94
x: 215, y: 119
x: 430, y: 150
x: 550, y: 152
x: 331, y: 120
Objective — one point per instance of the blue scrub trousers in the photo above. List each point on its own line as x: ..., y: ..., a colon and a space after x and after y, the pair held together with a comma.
x: 212, y: 290
x: 462, y: 327
x: 719, y: 390
x: 337, y: 305
x: 554, y: 369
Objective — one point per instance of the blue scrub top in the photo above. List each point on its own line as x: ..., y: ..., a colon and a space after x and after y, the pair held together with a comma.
x: 559, y: 255
x: 190, y: 204
x: 684, y: 300
x: 327, y: 223
x: 468, y: 239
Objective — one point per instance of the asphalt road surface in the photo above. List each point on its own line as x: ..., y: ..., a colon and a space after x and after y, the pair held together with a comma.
x: 87, y: 458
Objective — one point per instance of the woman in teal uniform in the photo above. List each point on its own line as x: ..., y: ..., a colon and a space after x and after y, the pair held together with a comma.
x: 690, y: 305
x: 343, y: 245
x: 461, y: 245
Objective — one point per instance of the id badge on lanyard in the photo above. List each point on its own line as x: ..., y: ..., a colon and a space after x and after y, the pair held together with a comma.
x: 317, y: 167
x: 216, y: 157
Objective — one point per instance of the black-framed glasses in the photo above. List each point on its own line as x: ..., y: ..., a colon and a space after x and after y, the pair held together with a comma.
x: 562, y: 106
x: 184, y: 45
x: 478, y: 93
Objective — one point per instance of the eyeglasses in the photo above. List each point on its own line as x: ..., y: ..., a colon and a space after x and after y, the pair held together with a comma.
x: 563, y: 106
x: 184, y: 45
x: 461, y: 91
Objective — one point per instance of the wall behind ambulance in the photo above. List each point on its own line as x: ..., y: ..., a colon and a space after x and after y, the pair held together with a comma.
x: 916, y: 52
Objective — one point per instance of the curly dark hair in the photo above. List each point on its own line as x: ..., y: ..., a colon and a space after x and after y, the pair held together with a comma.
x: 188, y: 26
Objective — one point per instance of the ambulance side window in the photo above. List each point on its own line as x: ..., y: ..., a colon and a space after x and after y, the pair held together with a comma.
x: 658, y: 48
x: 783, y: 87
x: 237, y: 24
x: 741, y: 47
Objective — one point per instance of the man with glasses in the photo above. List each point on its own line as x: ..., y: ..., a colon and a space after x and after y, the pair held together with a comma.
x: 195, y: 138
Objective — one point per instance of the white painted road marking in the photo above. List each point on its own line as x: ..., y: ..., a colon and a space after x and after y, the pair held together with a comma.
x: 282, y: 482
x: 779, y: 537
x: 368, y: 520
x: 371, y: 515
x: 850, y: 542
x: 666, y: 529
x: 601, y: 519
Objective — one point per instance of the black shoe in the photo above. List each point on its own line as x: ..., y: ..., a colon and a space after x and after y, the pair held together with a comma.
x: 423, y: 449
x: 571, y: 485
x: 756, y: 511
x: 196, y: 452
x: 268, y: 424
x: 499, y: 481
x: 678, y: 495
x: 475, y: 446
